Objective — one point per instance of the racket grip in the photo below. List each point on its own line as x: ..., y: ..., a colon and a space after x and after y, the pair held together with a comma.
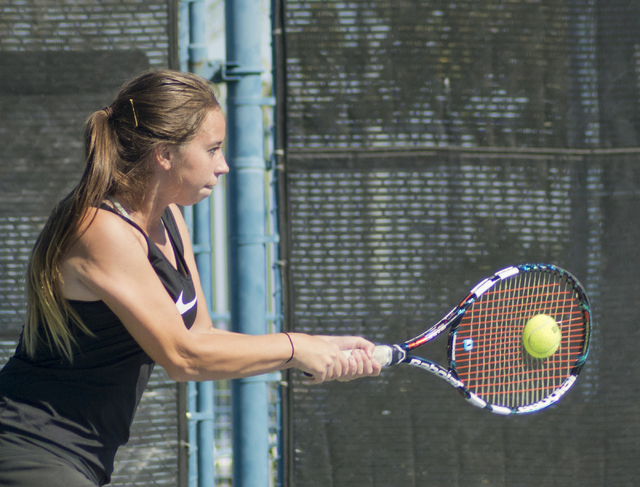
x: 383, y: 354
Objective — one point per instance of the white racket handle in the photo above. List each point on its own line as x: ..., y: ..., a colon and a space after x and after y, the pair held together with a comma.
x: 383, y: 354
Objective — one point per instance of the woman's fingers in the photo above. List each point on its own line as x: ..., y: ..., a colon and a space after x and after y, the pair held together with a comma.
x: 325, y: 358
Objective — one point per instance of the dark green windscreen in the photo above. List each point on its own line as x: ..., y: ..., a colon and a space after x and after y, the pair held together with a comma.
x: 59, y: 62
x: 428, y: 144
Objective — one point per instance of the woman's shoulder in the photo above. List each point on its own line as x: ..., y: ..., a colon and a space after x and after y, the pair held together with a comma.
x: 103, y: 228
x: 104, y: 243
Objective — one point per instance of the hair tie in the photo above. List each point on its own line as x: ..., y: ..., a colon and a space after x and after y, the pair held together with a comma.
x: 293, y: 350
x: 108, y: 111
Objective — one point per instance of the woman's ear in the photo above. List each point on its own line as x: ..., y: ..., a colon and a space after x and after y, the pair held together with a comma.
x: 165, y: 156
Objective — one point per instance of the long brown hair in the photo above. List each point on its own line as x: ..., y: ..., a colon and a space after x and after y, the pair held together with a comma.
x: 154, y: 108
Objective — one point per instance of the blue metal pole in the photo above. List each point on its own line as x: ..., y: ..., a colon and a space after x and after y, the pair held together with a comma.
x: 202, y: 249
x: 183, y: 35
x: 246, y: 223
x: 202, y: 243
x: 187, y: 212
x: 192, y: 397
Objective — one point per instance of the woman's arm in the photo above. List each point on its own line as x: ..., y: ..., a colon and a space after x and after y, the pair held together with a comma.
x: 359, y: 365
x: 111, y: 262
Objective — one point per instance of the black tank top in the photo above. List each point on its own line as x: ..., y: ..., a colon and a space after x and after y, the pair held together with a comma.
x: 83, y: 410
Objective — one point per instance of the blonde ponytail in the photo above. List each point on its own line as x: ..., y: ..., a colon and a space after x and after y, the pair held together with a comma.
x: 45, y: 303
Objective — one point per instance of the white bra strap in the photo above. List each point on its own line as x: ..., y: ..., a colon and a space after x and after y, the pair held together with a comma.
x: 119, y: 207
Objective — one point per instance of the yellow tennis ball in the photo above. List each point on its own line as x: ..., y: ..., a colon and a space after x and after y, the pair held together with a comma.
x: 541, y: 336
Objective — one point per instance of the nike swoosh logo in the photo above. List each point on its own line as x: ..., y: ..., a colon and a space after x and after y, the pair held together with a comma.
x: 184, y: 307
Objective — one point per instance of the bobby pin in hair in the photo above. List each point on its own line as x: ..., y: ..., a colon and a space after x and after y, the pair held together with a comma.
x: 135, y: 117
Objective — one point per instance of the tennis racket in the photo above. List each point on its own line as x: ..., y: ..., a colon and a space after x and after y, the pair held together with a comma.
x: 488, y: 363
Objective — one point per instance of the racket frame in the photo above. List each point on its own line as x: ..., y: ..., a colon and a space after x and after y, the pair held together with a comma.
x: 399, y: 353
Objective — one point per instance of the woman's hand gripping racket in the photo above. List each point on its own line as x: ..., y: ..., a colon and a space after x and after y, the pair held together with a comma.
x: 499, y: 358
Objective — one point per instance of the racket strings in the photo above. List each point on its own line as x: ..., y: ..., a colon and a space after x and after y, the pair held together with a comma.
x: 489, y: 356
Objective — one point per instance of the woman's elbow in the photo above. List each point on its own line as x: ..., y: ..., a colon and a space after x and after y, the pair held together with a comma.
x: 178, y: 374
x: 178, y: 368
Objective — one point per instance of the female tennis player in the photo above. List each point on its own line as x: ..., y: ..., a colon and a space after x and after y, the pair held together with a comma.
x: 113, y: 288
